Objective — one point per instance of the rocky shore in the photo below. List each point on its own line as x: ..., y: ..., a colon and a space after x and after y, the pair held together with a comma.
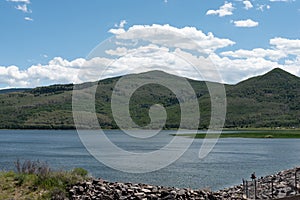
x: 279, y: 185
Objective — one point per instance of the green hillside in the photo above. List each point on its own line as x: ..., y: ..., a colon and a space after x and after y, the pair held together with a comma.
x: 270, y: 100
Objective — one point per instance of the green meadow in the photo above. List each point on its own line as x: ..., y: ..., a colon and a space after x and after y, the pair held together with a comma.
x: 247, y: 134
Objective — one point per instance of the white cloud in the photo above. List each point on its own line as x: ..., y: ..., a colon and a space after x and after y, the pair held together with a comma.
x: 247, y: 63
x: 281, y: 0
x: 122, y: 23
x: 188, y: 38
x: 20, y: 1
x: 262, y: 7
x: 28, y: 19
x: 119, y: 28
x: 154, y: 57
x: 120, y: 51
x: 256, y: 53
x: 117, y: 31
x: 288, y: 46
x: 247, y: 4
x: 235, y: 70
x: 245, y: 23
x: 281, y: 48
x: 23, y: 8
x: 58, y: 70
x: 224, y: 10
x: 163, y: 47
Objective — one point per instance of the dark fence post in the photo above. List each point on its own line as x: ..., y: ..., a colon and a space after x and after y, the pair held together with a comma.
x: 272, y: 186
x: 296, y: 181
x: 255, y: 189
x: 253, y: 177
x: 247, y: 192
x: 244, y: 187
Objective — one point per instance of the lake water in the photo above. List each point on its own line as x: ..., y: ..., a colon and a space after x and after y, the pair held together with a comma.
x: 231, y: 159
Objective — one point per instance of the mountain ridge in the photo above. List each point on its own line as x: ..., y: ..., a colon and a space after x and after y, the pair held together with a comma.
x: 269, y: 100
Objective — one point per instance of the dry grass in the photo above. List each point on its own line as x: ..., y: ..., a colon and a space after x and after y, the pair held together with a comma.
x: 35, y: 180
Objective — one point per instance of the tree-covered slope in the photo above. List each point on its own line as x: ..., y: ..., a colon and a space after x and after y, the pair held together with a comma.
x: 270, y: 100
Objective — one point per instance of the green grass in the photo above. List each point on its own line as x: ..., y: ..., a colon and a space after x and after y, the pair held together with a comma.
x: 249, y: 134
x: 34, y: 180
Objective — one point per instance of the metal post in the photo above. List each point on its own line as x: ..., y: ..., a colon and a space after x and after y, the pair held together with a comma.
x: 254, y: 189
x: 296, y: 189
x: 253, y: 177
x: 244, y: 187
x: 247, y: 191
x: 272, y: 186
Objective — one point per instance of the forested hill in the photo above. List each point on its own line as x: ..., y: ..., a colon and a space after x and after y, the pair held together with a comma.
x: 270, y: 100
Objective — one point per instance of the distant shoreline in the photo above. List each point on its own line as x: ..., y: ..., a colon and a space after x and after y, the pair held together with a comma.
x: 256, y: 133
x: 262, y: 134
x: 262, y: 129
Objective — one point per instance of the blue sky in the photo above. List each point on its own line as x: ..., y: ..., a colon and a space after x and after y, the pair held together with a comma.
x: 38, y: 37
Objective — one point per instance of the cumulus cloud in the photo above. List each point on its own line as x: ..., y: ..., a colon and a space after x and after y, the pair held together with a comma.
x: 58, y: 70
x: 28, y: 19
x: 262, y: 7
x: 281, y: 48
x: 23, y: 8
x: 121, y: 24
x: 261, y: 60
x: 256, y: 53
x: 288, y: 46
x: 119, y: 51
x: 245, y: 23
x: 247, y: 4
x: 154, y: 57
x: 224, y: 10
x: 188, y: 38
x: 163, y: 47
x: 281, y: 0
x: 20, y: 1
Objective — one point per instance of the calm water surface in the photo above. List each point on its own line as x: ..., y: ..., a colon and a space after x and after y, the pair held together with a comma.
x: 231, y: 159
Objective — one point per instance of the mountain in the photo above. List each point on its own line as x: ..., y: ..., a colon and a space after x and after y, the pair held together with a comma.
x: 270, y: 100
x: 14, y: 90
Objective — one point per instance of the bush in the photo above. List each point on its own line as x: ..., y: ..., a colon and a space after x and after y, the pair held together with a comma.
x: 269, y: 136
x: 80, y: 172
x: 37, y: 177
x: 32, y: 167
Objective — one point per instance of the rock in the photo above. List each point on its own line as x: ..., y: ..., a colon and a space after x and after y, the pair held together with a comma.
x: 173, y: 192
x: 146, y: 190
x: 130, y: 190
x: 181, y: 192
x: 139, y: 194
x: 103, y: 188
x: 80, y: 189
x: 283, y: 185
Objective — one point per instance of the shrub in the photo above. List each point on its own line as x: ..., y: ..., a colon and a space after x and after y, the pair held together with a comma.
x: 37, y: 176
x: 269, y: 136
x: 80, y: 172
x: 32, y: 167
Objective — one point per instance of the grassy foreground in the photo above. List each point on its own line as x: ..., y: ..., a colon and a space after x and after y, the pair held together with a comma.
x: 249, y: 134
x: 35, y: 180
